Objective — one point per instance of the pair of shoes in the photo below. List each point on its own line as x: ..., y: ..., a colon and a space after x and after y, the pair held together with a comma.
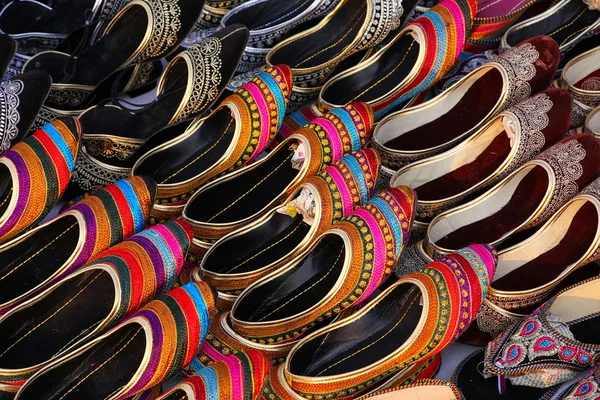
x: 152, y: 345
x: 115, y: 284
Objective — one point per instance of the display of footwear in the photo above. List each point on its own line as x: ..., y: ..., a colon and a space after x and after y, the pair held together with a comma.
x: 254, y: 251
x: 426, y: 389
x: 35, y: 260
x: 240, y: 376
x: 86, y: 303
x: 430, y: 128
x: 149, y: 347
x: 407, y: 322
x: 241, y: 197
x: 232, y: 136
x: 190, y: 85
x: 35, y: 173
x: 414, y: 60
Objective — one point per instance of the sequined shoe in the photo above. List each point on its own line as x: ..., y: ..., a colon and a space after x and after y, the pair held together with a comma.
x: 430, y: 128
x: 41, y: 257
x: 241, y: 197
x: 406, y: 323
x: 149, y: 347
x: 35, y: 174
x: 414, y: 60
x: 230, y: 137
x: 250, y: 253
x: 115, y: 284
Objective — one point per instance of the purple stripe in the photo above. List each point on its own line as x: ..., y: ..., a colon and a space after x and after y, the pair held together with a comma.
x: 157, y: 261
x: 24, y: 190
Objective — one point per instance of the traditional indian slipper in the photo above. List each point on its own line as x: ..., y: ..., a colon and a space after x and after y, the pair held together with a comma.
x: 115, y: 284
x: 232, y: 136
x: 35, y: 260
x: 241, y: 197
x: 407, y: 323
x: 456, y: 114
x: 139, y: 353
x: 592, y: 123
x: 426, y: 389
x: 240, y: 376
x: 410, y: 63
x: 213, y: 12
x: 587, y: 386
x: 250, y: 253
x: 35, y: 174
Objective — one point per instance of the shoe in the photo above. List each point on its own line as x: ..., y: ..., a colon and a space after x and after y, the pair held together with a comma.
x: 404, y: 324
x: 592, y: 123
x: 213, y: 12
x: 252, y: 252
x: 415, y: 133
x: 240, y: 376
x: 427, y: 389
x: 8, y: 49
x: 33, y: 261
x: 241, y: 197
x: 35, y: 174
x: 139, y: 353
x: 503, y: 144
x: 414, y: 60
x: 586, y: 386
x: 230, y: 137
x: 83, y: 305
x: 190, y: 85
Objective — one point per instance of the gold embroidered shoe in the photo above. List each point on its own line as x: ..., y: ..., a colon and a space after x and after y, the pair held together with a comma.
x: 250, y: 253
x: 430, y: 128
x: 232, y: 136
x: 214, y: 11
x: 239, y: 198
x: 503, y: 144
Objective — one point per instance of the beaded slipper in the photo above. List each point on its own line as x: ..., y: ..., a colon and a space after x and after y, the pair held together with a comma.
x: 241, y: 197
x: 230, y: 137
x: 250, y: 253
x: 35, y: 173
x: 430, y: 128
x: 41, y: 257
x: 115, y: 284
x: 149, y: 347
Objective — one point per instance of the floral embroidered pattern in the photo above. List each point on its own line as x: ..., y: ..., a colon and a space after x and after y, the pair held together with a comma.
x: 385, y: 18
x: 586, y: 389
x: 165, y: 14
x: 591, y: 84
x: 491, y: 321
x: 89, y: 174
x: 519, y: 64
x: 9, y: 113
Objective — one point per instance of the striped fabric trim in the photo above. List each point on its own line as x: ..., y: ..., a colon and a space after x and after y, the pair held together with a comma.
x: 299, y: 119
x: 41, y: 167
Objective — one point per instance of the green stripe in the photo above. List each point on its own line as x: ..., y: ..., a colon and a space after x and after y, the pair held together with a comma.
x: 114, y: 216
x: 182, y: 334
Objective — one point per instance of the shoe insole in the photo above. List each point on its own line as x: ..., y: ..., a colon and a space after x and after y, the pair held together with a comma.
x: 590, y: 82
x: 69, y: 313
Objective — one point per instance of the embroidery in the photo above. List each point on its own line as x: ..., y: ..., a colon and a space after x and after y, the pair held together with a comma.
x: 410, y: 261
x: 68, y: 96
x: 142, y: 75
x: 491, y: 321
x: 385, y: 18
x: 9, y: 113
x: 591, y: 84
x: 165, y: 14
x: 111, y: 147
x: 586, y: 389
x: 579, y: 113
x: 519, y: 63
x: 89, y: 174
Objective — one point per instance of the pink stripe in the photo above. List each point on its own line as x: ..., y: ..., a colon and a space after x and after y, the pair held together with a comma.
x: 379, y: 253
x: 459, y: 20
x: 211, y: 352
x: 334, y: 137
x: 343, y: 188
x: 487, y: 259
x: 237, y: 377
x: 173, y: 243
x: 264, y: 117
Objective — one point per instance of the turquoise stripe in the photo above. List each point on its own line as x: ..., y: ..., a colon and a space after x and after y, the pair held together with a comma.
x: 209, y: 375
x: 166, y: 254
x: 277, y: 93
x: 392, y: 218
x: 299, y: 118
x: 482, y: 272
x: 134, y: 204
x: 197, y: 366
x: 359, y: 175
x: 61, y: 144
x: 196, y: 296
x: 349, y: 122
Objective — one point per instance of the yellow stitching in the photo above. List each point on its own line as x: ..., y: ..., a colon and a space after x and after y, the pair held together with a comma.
x: 75, y: 338
x: 572, y: 34
x: 38, y: 252
x: 262, y: 251
x: 7, y: 197
x: 101, y: 365
x: 569, y: 24
x: 203, y: 154
x: 371, y: 344
x: 388, y: 75
x: 251, y: 189
x: 305, y: 290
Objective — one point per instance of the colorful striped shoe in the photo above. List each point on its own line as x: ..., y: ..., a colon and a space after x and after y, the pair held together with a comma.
x: 236, y: 377
x: 35, y: 173
x: 86, y: 303
x: 250, y: 253
x: 139, y: 353
x: 413, y: 319
x: 241, y: 197
x: 232, y: 136
x: 39, y: 258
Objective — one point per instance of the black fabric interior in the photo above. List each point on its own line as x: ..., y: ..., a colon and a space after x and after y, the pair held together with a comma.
x: 267, y: 14
x: 70, y: 312
x: 21, y: 16
x: 25, y: 265
x: 5, y: 188
x: 36, y: 88
x: 297, y: 289
x: 97, y: 372
x: 176, y: 394
x: 246, y: 194
x: 195, y: 154
x: 472, y: 108
x: 328, y: 42
x: 64, y: 17
x: 261, y: 246
x: 378, y: 78
x: 587, y: 331
x: 365, y: 341
x: 8, y: 48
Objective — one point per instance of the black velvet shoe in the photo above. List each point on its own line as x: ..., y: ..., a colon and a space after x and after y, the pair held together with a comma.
x: 8, y: 48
